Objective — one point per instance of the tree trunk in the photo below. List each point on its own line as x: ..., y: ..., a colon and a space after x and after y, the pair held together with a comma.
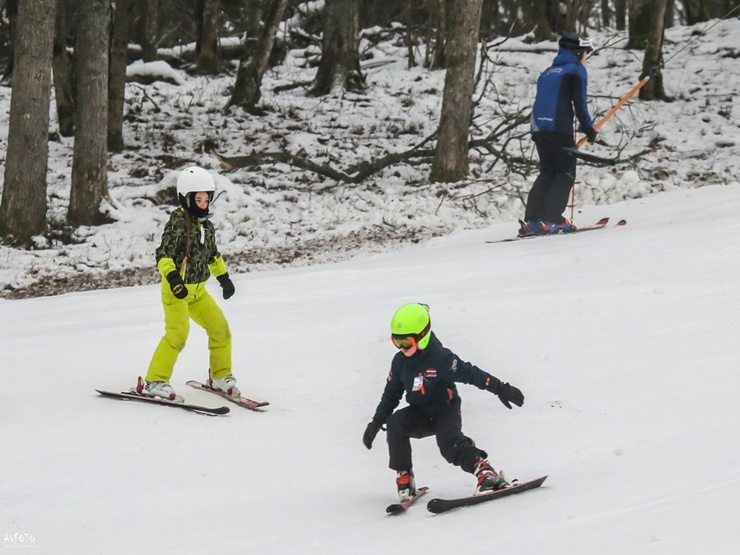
x: 23, y: 208
x: 206, y: 47
x: 90, y: 158
x: 696, y: 11
x: 150, y: 35
x: 64, y: 98
x: 538, y: 13
x: 246, y: 91
x: 653, y: 89
x: 620, y: 14
x: 340, y: 58
x: 451, y: 156
x: 640, y: 23
x: 117, y: 73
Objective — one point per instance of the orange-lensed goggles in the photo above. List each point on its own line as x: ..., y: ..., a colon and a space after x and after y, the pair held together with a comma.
x: 404, y: 342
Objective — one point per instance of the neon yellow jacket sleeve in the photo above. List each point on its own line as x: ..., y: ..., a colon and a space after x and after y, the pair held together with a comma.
x: 218, y: 266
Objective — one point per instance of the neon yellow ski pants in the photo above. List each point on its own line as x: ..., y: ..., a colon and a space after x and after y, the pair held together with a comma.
x: 202, y: 308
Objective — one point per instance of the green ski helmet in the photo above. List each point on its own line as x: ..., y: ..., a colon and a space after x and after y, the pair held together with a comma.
x: 411, y: 325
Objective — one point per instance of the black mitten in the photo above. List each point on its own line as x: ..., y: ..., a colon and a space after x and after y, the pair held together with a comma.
x: 227, y: 285
x: 177, y: 285
x: 370, y: 432
x: 591, y: 134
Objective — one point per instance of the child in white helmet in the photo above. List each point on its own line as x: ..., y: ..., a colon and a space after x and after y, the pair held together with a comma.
x: 186, y: 258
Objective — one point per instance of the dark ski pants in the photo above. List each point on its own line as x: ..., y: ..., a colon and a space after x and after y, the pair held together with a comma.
x: 409, y: 422
x: 548, y: 197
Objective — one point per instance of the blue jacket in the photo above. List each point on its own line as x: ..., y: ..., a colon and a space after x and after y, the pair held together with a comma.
x: 428, y: 378
x: 561, y: 88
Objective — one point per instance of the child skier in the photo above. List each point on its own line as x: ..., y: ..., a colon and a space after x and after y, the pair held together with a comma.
x: 427, y: 372
x: 186, y: 258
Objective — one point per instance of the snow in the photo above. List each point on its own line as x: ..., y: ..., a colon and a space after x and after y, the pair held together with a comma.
x: 623, y: 340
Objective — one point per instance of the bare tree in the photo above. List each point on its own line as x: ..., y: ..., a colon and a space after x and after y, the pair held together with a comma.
x: 451, y: 156
x: 90, y: 158
x: 23, y: 208
x: 63, y: 96
x: 246, y: 91
x: 122, y: 13
x: 149, y: 10
x: 653, y: 89
x: 206, y: 46
x: 340, y: 57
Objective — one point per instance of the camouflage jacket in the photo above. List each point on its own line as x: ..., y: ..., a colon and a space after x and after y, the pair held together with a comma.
x: 183, y: 235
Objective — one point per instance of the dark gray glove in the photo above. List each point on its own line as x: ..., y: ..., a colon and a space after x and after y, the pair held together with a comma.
x: 506, y: 393
x: 227, y: 285
x: 509, y: 394
x: 370, y: 432
x: 591, y: 134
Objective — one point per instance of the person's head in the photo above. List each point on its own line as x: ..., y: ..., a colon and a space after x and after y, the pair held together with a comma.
x: 195, y: 188
x: 576, y: 43
x: 411, y: 328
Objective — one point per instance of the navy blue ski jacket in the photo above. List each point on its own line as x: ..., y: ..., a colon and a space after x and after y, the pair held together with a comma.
x: 561, y: 88
x: 428, y: 378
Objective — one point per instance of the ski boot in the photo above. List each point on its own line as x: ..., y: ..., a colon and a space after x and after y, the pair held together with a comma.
x: 488, y: 479
x: 406, y: 485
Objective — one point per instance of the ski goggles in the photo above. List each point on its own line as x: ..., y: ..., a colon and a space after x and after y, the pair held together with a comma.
x: 407, y: 341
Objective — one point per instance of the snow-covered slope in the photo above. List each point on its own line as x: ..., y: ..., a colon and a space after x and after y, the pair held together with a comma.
x: 624, y: 342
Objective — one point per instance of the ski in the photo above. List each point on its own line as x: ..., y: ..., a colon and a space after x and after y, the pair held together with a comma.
x: 601, y: 224
x: 133, y: 396
x: 398, y: 508
x: 443, y: 505
x: 242, y: 401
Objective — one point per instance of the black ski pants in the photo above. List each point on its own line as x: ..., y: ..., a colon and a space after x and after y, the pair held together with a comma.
x: 549, y: 195
x: 410, y: 422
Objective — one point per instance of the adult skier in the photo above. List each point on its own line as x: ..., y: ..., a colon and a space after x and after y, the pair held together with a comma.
x: 561, y: 89
x: 427, y: 373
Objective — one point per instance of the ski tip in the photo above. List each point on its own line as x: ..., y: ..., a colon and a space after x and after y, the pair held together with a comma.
x: 622, y: 222
x: 603, y: 221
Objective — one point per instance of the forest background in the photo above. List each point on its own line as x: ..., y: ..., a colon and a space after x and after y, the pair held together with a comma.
x: 75, y: 89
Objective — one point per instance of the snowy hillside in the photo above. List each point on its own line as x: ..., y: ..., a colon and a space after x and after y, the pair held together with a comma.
x: 624, y: 342
x: 277, y: 216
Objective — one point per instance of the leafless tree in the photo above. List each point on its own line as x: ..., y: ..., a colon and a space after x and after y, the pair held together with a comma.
x: 63, y: 96
x: 90, y: 158
x: 23, y: 208
x: 340, y: 57
x: 207, y: 14
x: 122, y: 13
x: 253, y: 65
x: 451, y: 157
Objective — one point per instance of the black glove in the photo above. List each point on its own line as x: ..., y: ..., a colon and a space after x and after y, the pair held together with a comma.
x: 508, y: 393
x: 227, y: 285
x: 177, y: 285
x: 370, y: 432
x: 591, y: 134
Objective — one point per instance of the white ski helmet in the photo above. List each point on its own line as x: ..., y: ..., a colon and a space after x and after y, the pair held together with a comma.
x: 193, y: 180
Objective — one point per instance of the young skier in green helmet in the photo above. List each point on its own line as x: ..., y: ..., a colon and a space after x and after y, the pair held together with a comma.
x: 427, y: 372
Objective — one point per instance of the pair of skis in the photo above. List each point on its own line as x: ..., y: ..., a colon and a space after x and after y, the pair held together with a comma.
x: 443, y: 505
x: 242, y: 401
x: 601, y: 224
